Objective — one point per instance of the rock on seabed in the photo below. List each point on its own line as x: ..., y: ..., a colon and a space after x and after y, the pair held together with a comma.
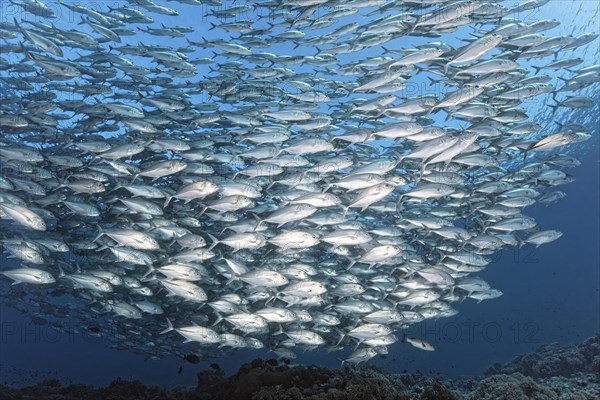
x: 551, y: 373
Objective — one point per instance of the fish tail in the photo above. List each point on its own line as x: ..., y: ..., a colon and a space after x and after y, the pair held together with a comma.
x: 169, y: 327
x: 61, y: 272
x: 519, y: 240
x: 151, y: 269
x: 215, y: 241
x: 204, y: 208
x: 279, y: 331
x: 345, y: 208
x: 270, y: 185
x: 27, y: 55
x: 258, y: 223
x: 399, y: 205
x: 219, y: 318
x: 61, y: 184
x: 100, y: 234
x: 481, y: 224
x: 434, y: 81
x: 342, y: 336
x: 414, y: 25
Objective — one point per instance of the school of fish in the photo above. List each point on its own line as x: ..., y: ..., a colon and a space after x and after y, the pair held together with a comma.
x: 216, y: 192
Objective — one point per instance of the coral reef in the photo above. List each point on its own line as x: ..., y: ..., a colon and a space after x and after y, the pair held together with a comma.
x: 553, y: 360
x: 511, y: 387
x: 551, y: 373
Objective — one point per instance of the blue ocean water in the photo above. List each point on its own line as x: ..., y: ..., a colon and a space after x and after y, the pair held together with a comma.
x: 550, y: 294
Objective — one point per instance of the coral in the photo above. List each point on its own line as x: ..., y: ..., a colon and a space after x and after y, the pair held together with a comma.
x: 52, y: 389
x: 437, y: 391
x: 511, y: 387
x: 551, y: 373
x: 584, y: 387
x: 553, y: 360
x: 259, y: 380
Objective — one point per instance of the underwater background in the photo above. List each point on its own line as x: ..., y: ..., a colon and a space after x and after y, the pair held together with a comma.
x: 551, y: 294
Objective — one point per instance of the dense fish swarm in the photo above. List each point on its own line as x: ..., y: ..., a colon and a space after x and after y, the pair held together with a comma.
x: 273, y: 199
